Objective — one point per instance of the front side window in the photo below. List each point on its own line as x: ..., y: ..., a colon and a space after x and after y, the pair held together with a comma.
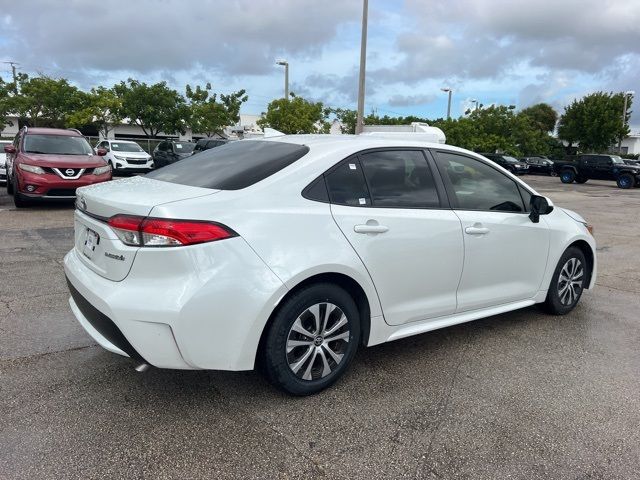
x: 346, y: 184
x: 56, y: 145
x: 477, y: 186
x: 399, y: 178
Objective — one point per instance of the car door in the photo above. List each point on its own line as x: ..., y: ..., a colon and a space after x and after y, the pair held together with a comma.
x: 505, y: 253
x: 392, y: 209
x: 604, y: 168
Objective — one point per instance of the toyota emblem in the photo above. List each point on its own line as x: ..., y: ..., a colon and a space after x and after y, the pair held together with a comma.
x: 70, y: 172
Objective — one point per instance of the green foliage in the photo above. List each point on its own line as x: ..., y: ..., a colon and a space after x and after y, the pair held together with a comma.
x: 543, y: 116
x: 209, y: 116
x: 101, y: 107
x: 5, y: 89
x: 155, y: 108
x: 44, y: 100
x: 296, y: 115
x: 595, y: 121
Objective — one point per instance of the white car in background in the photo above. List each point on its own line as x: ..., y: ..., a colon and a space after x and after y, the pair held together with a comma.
x: 292, y: 251
x: 3, y: 161
x: 126, y: 156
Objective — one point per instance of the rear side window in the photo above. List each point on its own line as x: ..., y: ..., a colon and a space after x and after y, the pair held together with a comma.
x: 347, y: 186
x: 399, y: 178
x: 233, y: 166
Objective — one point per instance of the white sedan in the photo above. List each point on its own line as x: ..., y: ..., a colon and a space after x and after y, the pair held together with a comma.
x: 291, y: 252
x: 3, y: 161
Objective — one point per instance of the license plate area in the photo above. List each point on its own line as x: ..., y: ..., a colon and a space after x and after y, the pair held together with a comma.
x: 92, y: 240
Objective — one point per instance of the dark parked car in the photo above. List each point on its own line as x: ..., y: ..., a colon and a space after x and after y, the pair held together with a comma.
x: 540, y: 164
x: 599, y: 167
x: 207, y: 143
x: 629, y: 161
x: 514, y: 165
x: 170, y: 151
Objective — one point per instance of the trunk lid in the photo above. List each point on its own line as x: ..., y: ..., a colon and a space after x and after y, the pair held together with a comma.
x: 96, y: 244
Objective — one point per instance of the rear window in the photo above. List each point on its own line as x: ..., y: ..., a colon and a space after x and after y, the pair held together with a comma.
x: 232, y: 166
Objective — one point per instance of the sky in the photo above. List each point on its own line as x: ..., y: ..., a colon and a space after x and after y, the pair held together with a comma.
x: 516, y: 52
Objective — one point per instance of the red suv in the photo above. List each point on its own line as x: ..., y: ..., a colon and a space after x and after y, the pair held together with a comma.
x: 50, y: 163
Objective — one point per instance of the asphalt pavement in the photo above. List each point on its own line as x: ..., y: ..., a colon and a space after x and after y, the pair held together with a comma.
x: 520, y: 395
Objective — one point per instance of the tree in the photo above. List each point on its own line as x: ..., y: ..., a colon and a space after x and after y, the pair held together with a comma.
x: 543, y: 116
x: 594, y: 121
x: 209, y: 116
x: 5, y: 89
x: 102, y: 107
x: 296, y: 115
x: 155, y: 108
x: 45, y: 98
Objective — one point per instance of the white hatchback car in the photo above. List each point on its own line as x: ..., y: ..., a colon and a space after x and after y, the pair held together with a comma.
x: 126, y: 157
x: 290, y: 252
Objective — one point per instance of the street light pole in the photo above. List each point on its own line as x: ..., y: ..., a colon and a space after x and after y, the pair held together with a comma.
x: 363, y: 63
x: 624, y: 117
x: 286, y: 77
x: 449, y: 91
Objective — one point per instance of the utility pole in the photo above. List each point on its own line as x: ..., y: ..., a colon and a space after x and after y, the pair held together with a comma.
x: 286, y: 77
x: 15, y: 76
x: 449, y: 91
x: 363, y: 65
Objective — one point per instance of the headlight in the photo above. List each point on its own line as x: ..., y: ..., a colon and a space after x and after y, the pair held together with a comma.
x: 31, y: 168
x: 119, y: 157
x: 101, y: 170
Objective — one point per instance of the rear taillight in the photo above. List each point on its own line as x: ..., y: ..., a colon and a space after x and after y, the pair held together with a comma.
x: 164, y: 232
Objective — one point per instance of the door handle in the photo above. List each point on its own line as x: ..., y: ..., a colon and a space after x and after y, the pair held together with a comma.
x: 476, y: 230
x: 370, y: 228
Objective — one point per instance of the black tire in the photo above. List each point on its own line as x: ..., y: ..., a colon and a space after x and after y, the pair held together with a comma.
x: 19, y: 200
x: 626, y: 180
x: 278, y: 364
x: 581, y: 180
x: 567, y: 176
x: 9, y: 186
x: 561, y: 299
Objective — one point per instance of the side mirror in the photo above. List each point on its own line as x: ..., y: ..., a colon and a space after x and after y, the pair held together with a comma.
x: 539, y: 206
x: 101, y: 152
x: 9, y: 149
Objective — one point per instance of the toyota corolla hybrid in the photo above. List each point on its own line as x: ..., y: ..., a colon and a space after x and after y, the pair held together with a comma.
x: 50, y: 164
x: 291, y: 252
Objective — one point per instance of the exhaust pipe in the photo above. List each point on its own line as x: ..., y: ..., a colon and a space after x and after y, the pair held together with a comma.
x: 143, y: 367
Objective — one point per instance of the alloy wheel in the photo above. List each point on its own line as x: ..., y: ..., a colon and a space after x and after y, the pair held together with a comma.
x: 317, y: 341
x: 570, y: 281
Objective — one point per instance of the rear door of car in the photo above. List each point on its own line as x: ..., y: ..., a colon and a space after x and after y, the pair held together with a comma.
x: 391, y: 206
x: 505, y: 253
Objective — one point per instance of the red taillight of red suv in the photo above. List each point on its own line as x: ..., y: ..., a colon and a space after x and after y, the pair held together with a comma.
x: 164, y: 232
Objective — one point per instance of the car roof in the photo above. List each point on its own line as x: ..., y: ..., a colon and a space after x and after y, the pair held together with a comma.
x: 53, y: 131
x: 121, y: 141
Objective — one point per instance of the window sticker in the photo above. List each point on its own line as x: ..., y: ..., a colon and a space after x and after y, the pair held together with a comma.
x: 352, y: 166
x: 115, y: 145
x: 178, y: 145
x: 362, y: 201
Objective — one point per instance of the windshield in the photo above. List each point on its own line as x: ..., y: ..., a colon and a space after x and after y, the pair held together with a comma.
x: 616, y: 159
x: 510, y: 159
x: 126, y: 147
x: 232, y: 166
x: 56, y: 145
x: 183, y: 147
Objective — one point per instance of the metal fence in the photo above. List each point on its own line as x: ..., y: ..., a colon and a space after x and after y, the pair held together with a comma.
x: 147, y: 144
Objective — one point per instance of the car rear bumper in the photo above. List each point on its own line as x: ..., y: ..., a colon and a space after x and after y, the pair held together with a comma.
x: 197, y: 307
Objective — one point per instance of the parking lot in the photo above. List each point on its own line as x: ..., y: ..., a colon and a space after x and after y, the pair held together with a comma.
x: 519, y: 395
